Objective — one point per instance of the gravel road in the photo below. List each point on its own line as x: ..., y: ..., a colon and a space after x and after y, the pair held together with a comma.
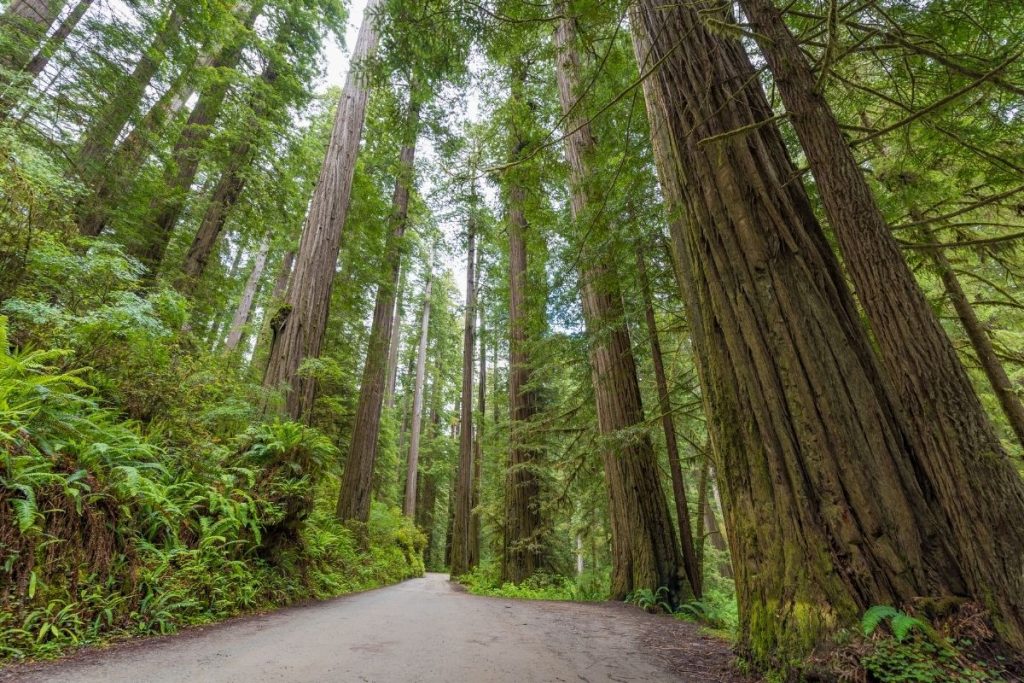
x: 421, y: 630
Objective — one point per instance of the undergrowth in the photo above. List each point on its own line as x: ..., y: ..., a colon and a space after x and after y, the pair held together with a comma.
x: 127, y: 510
x: 587, y: 587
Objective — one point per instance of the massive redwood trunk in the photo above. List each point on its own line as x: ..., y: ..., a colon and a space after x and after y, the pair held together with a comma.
x: 302, y: 319
x: 461, y: 546
x: 690, y: 563
x: 644, y: 549
x: 93, y: 161
x: 522, y: 549
x: 412, y: 465
x: 969, y: 476
x: 354, y: 498
x: 828, y: 513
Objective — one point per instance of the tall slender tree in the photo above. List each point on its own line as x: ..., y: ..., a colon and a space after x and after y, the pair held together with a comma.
x: 645, y: 553
x: 92, y: 162
x: 302, y: 320
x: 521, y: 555
x: 461, y: 552
x: 187, y: 154
x: 354, y: 498
x: 412, y: 465
x: 693, y: 571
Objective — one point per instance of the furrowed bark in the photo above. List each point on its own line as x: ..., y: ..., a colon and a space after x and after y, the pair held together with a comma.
x: 461, y: 547
x: 302, y: 319
x: 354, y: 497
x: 644, y: 549
x: 954, y: 444
x: 827, y: 515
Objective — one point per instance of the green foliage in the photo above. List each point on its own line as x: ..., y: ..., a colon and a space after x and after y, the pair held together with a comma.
x: 155, y: 539
x: 485, y: 580
x: 650, y: 600
x: 913, y: 650
x: 717, y: 609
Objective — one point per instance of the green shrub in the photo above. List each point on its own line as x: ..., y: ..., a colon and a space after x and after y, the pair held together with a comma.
x: 108, y: 531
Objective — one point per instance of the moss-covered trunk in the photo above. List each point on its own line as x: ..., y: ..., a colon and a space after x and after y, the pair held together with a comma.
x: 827, y: 515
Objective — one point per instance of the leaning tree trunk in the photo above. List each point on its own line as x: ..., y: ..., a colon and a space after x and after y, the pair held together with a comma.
x: 181, y: 171
x: 396, y: 330
x: 354, y: 497
x: 412, y: 466
x: 828, y: 514
x: 521, y: 555
x: 55, y: 42
x: 244, y: 309
x: 644, y: 549
x: 690, y: 563
x: 24, y: 25
x: 93, y: 161
x: 954, y: 443
x: 461, y: 552
x: 302, y: 320
x: 982, y: 345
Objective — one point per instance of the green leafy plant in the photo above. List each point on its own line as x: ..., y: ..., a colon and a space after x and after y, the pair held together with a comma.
x: 650, y: 600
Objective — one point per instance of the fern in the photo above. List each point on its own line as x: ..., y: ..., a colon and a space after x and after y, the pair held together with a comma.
x: 901, y: 623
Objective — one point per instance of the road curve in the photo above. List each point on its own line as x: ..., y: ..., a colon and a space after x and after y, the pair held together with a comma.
x: 421, y: 630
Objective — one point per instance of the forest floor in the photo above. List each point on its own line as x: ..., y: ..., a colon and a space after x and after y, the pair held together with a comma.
x: 420, y: 630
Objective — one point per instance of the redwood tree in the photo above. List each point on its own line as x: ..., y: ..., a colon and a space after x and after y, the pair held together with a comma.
x: 829, y: 515
x: 354, y: 498
x: 953, y: 439
x: 461, y: 545
x: 644, y: 549
x: 302, y: 320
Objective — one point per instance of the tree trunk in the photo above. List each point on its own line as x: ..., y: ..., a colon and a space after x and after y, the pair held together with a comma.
x: 93, y: 161
x: 461, y: 555
x: 354, y: 497
x: 478, y: 446
x: 303, y: 317
x: 714, y: 531
x: 244, y: 309
x: 24, y: 25
x: 521, y: 555
x: 417, y: 406
x: 828, y: 515
x: 180, y: 173
x: 56, y: 41
x: 396, y: 331
x: 690, y: 563
x: 281, y: 282
x: 954, y: 443
x: 644, y: 549
x: 982, y: 345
